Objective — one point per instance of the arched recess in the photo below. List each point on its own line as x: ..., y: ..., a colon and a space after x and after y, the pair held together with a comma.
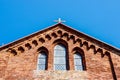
x: 42, y: 40
x: 34, y: 42
x: 85, y: 43
x: 78, y: 40
x: 48, y: 37
x: 93, y: 48
x: 99, y: 50
x: 79, y: 59
x: 72, y: 37
x: 13, y: 51
x: 28, y: 46
x: 61, y: 55
x: 42, y: 59
x: 59, y: 32
x: 65, y: 35
x: 54, y: 35
x: 21, y: 49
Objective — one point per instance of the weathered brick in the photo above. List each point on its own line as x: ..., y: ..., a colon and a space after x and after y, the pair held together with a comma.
x: 21, y: 64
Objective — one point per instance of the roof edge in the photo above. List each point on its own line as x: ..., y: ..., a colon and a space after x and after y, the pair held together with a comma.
x: 25, y: 37
x: 101, y: 43
x: 96, y: 40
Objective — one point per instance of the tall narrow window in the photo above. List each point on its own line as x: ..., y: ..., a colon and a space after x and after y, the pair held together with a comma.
x: 78, y: 61
x: 42, y: 59
x: 59, y: 57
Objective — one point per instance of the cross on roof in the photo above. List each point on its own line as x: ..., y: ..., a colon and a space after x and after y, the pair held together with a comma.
x: 59, y: 20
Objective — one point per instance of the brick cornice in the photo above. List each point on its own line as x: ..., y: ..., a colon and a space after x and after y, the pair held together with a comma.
x: 71, y: 31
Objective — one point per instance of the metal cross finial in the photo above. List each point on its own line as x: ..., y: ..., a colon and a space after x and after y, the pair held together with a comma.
x: 59, y: 20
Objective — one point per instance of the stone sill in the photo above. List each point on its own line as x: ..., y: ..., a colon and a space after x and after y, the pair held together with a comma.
x: 64, y: 75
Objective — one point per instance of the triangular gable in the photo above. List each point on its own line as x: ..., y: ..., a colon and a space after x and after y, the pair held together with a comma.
x: 66, y: 28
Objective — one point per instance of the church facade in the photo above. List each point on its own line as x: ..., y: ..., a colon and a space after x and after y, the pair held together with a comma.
x: 59, y: 53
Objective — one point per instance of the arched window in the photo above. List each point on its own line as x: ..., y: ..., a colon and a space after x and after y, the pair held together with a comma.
x: 78, y: 61
x: 59, y: 57
x: 42, y: 61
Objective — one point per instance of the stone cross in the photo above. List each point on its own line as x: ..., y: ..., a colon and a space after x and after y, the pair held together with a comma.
x: 59, y: 20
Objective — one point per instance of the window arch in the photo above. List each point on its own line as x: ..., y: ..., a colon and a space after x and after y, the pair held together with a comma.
x: 42, y: 61
x: 60, y: 57
x: 78, y: 65
x: 79, y: 59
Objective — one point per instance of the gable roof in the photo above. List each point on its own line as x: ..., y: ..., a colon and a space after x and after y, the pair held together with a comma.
x: 96, y: 41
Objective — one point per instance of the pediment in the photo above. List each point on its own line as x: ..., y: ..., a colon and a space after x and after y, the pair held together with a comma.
x: 57, y: 31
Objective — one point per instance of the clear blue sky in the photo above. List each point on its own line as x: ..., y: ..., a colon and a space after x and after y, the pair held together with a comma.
x: 97, y: 18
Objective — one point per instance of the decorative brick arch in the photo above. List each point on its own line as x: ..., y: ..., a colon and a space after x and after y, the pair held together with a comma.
x: 43, y: 49
x: 13, y: 51
x: 97, y: 56
x: 59, y: 32
x: 28, y: 46
x: 54, y: 35
x: 93, y: 47
x: 21, y: 49
x: 60, y: 41
x: 66, y: 35
x: 34, y: 42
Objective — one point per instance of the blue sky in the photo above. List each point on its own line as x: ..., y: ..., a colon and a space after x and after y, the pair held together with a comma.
x: 97, y: 18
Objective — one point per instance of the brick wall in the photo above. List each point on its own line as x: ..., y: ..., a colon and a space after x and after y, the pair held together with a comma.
x: 19, y: 62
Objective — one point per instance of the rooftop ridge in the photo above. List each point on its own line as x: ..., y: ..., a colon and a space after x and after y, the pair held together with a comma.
x: 50, y: 27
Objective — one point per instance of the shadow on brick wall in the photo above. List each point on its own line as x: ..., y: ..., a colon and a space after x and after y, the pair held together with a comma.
x: 111, y: 66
